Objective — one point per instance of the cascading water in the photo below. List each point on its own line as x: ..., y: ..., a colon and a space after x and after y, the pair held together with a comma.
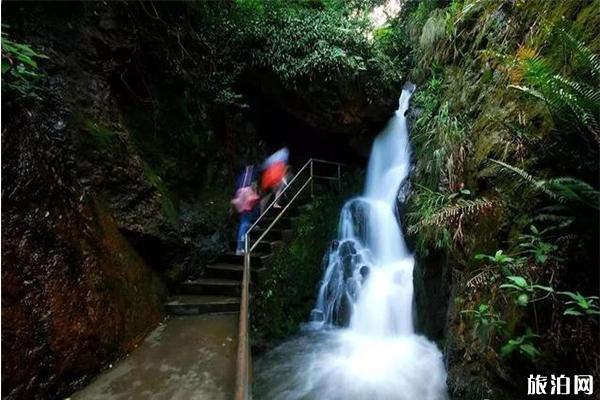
x: 367, y: 287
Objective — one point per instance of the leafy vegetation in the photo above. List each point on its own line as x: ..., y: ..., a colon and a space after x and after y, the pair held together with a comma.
x: 20, y: 72
x: 507, y: 105
x: 438, y: 219
x: 524, y: 290
x: 533, y: 244
x: 522, y: 344
x: 580, y: 305
x: 319, y: 42
x: 486, y: 321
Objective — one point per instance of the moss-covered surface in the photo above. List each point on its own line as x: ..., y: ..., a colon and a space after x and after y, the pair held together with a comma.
x: 506, y: 152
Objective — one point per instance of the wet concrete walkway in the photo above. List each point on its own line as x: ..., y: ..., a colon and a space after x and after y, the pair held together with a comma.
x: 191, y: 357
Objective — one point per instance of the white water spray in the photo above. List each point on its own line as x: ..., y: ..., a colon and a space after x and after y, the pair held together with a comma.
x: 368, y: 287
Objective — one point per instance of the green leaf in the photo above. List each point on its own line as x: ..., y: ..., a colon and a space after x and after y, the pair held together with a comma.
x: 572, y: 311
x: 534, y: 229
x: 508, y: 348
x: 572, y: 295
x: 519, y: 281
x: 26, y: 60
x: 529, y: 349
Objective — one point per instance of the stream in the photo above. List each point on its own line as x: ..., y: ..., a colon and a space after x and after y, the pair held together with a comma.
x: 360, y: 341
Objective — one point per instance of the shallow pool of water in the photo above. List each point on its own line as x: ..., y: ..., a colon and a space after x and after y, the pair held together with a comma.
x: 340, y: 364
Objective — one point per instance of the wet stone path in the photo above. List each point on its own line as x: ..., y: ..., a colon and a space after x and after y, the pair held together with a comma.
x: 191, y: 357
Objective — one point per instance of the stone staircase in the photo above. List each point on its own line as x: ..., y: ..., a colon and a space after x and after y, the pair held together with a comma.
x: 220, y: 289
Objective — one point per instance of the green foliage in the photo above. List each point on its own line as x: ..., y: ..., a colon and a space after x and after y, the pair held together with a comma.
x: 437, y: 219
x: 533, y: 244
x: 101, y: 136
x: 580, y: 305
x: 303, y: 44
x: 435, y: 30
x: 284, y: 297
x: 523, y: 344
x: 566, y: 190
x: 498, y: 258
x: 486, y: 321
x: 427, y: 98
x: 515, y: 82
x: 523, y: 290
x: 20, y: 71
x: 441, y: 149
x: 418, y: 15
x: 570, y: 100
x: 506, y: 263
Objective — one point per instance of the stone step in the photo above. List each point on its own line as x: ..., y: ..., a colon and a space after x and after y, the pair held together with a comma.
x: 275, y: 234
x: 211, y: 286
x: 303, y: 198
x: 195, y: 304
x: 268, y: 247
x: 285, y: 222
x: 231, y: 271
x: 265, y: 246
x: 256, y: 260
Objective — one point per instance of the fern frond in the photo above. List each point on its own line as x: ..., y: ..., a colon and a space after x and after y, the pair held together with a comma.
x: 449, y: 213
x: 523, y: 176
x: 562, y: 189
x: 528, y: 90
x: 582, y: 52
x: 574, y: 190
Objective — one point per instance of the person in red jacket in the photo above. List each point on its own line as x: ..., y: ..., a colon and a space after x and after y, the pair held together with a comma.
x: 273, y: 177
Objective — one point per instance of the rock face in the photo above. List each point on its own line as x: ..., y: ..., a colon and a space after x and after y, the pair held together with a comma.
x: 432, y: 283
x: 75, y: 294
x: 90, y: 230
x: 470, y: 376
x: 339, y: 109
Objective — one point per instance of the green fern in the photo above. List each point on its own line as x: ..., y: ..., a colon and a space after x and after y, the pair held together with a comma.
x: 448, y: 213
x: 574, y: 100
x: 437, y: 220
x: 584, y: 55
x: 562, y: 189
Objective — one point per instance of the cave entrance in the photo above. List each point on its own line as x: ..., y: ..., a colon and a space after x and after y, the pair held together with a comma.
x: 278, y: 128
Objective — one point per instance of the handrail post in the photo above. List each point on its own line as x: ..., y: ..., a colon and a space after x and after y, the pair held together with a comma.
x: 312, y: 181
x: 243, y: 353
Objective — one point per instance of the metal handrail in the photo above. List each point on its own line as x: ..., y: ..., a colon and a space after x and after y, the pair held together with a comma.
x: 277, y: 197
x: 243, y: 366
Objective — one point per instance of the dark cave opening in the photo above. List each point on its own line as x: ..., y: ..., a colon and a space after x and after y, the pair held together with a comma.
x: 279, y: 128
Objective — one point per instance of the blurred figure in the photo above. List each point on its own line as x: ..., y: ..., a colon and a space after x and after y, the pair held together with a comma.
x: 273, y: 177
x: 244, y: 202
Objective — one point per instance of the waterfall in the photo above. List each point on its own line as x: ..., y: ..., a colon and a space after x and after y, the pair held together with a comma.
x: 360, y: 342
x: 369, y: 269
